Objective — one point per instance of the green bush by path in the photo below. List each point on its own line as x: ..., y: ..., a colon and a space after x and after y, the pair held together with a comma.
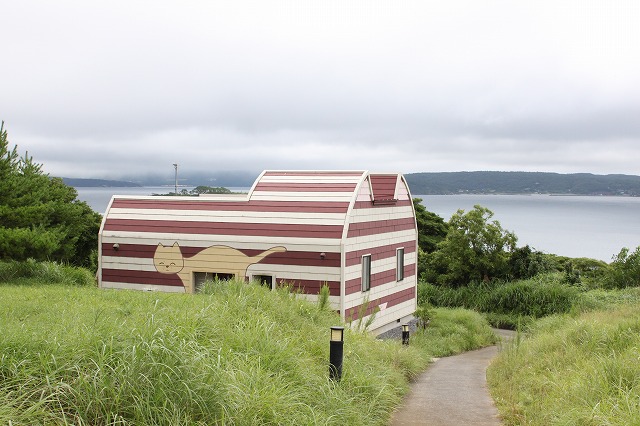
x: 453, y: 331
x: 31, y: 271
x: 508, y: 304
x: 582, y: 370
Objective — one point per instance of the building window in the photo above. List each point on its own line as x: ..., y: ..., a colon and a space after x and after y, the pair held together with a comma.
x: 400, y: 264
x: 265, y: 280
x: 200, y: 278
x: 366, y: 272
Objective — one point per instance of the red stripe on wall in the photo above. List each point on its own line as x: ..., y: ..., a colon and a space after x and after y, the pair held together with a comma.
x: 305, y: 187
x: 383, y: 186
x: 390, y: 300
x: 256, y: 206
x: 297, y: 258
x: 225, y: 228
x: 130, y: 250
x: 379, y: 252
x: 140, y: 277
x: 381, y: 278
x: 310, y: 286
x: 362, y: 229
x: 370, y: 205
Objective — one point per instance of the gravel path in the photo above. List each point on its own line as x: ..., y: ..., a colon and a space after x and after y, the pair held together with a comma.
x: 453, y: 391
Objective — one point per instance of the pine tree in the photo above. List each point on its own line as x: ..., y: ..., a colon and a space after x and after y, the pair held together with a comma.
x: 40, y: 216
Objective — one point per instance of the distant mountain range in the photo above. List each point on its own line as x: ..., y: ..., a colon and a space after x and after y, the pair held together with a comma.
x: 522, y: 183
x: 487, y: 182
x: 80, y: 183
x: 226, y: 179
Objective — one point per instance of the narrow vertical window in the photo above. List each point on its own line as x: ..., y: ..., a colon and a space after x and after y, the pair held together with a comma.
x: 400, y: 264
x: 366, y: 272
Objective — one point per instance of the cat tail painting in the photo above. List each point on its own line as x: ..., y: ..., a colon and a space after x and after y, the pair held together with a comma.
x: 215, y: 261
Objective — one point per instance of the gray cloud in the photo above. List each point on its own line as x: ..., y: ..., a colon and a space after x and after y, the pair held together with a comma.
x: 104, y: 90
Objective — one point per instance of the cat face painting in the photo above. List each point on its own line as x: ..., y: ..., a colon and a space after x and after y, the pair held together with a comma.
x: 168, y: 259
x: 215, y: 259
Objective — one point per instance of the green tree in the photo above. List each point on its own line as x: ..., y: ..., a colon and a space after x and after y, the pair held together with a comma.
x: 624, y: 270
x: 210, y: 190
x: 525, y: 262
x: 431, y: 228
x: 476, y: 248
x: 40, y: 216
x: 200, y: 190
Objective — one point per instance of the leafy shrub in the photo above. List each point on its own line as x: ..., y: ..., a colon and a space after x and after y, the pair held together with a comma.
x: 476, y: 248
x: 424, y: 314
x: 525, y: 262
x: 624, y: 270
x: 509, y: 303
x: 453, y: 331
x: 38, y: 273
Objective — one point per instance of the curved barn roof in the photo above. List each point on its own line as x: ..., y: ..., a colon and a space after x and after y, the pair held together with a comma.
x: 280, y: 204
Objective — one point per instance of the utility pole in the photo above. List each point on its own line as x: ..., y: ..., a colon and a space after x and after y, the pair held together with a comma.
x: 175, y: 166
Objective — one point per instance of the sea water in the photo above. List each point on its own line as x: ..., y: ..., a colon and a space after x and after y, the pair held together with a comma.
x: 574, y: 226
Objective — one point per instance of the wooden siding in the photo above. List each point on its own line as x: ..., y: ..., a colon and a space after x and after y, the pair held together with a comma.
x: 379, y: 229
x: 383, y: 187
x: 205, y: 203
x: 225, y: 228
x: 390, y: 301
x: 306, y: 187
x: 301, y: 211
x: 326, y: 222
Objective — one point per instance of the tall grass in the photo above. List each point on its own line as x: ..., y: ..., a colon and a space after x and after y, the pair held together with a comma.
x: 237, y: 354
x: 573, y: 370
x: 510, y: 303
x: 43, y: 273
x: 453, y: 331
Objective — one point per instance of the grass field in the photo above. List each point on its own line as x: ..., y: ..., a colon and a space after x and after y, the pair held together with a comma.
x: 73, y: 354
x: 574, y: 370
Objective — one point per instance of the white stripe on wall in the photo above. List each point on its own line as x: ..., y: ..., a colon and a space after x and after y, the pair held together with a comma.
x: 290, y: 271
x: 344, y: 197
x: 237, y: 241
x: 377, y: 266
x: 311, y: 179
x: 377, y: 240
x: 303, y: 218
x: 356, y: 299
x: 383, y: 213
x: 143, y: 287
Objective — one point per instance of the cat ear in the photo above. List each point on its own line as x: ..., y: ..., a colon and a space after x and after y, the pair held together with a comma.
x: 160, y: 245
x: 176, y: 244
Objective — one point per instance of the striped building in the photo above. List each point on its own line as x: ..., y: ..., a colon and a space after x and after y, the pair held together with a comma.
x: 354, y: 231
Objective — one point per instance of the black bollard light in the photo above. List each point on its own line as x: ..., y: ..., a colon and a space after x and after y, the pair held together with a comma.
x: 405, y: 334
x: 335, y: 353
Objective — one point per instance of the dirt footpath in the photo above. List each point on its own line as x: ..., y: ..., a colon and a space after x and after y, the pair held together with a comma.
x: 453, y: 391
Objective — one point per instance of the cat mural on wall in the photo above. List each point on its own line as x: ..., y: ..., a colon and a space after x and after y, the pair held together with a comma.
x: 215, y: 259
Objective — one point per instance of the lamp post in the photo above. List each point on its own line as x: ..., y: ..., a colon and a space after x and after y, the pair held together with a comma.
x: 336, y: 350
x: 405, y: 334
x: 175, y: 166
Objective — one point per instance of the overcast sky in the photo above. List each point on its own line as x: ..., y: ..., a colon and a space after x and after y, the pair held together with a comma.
x: 114, y: 88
